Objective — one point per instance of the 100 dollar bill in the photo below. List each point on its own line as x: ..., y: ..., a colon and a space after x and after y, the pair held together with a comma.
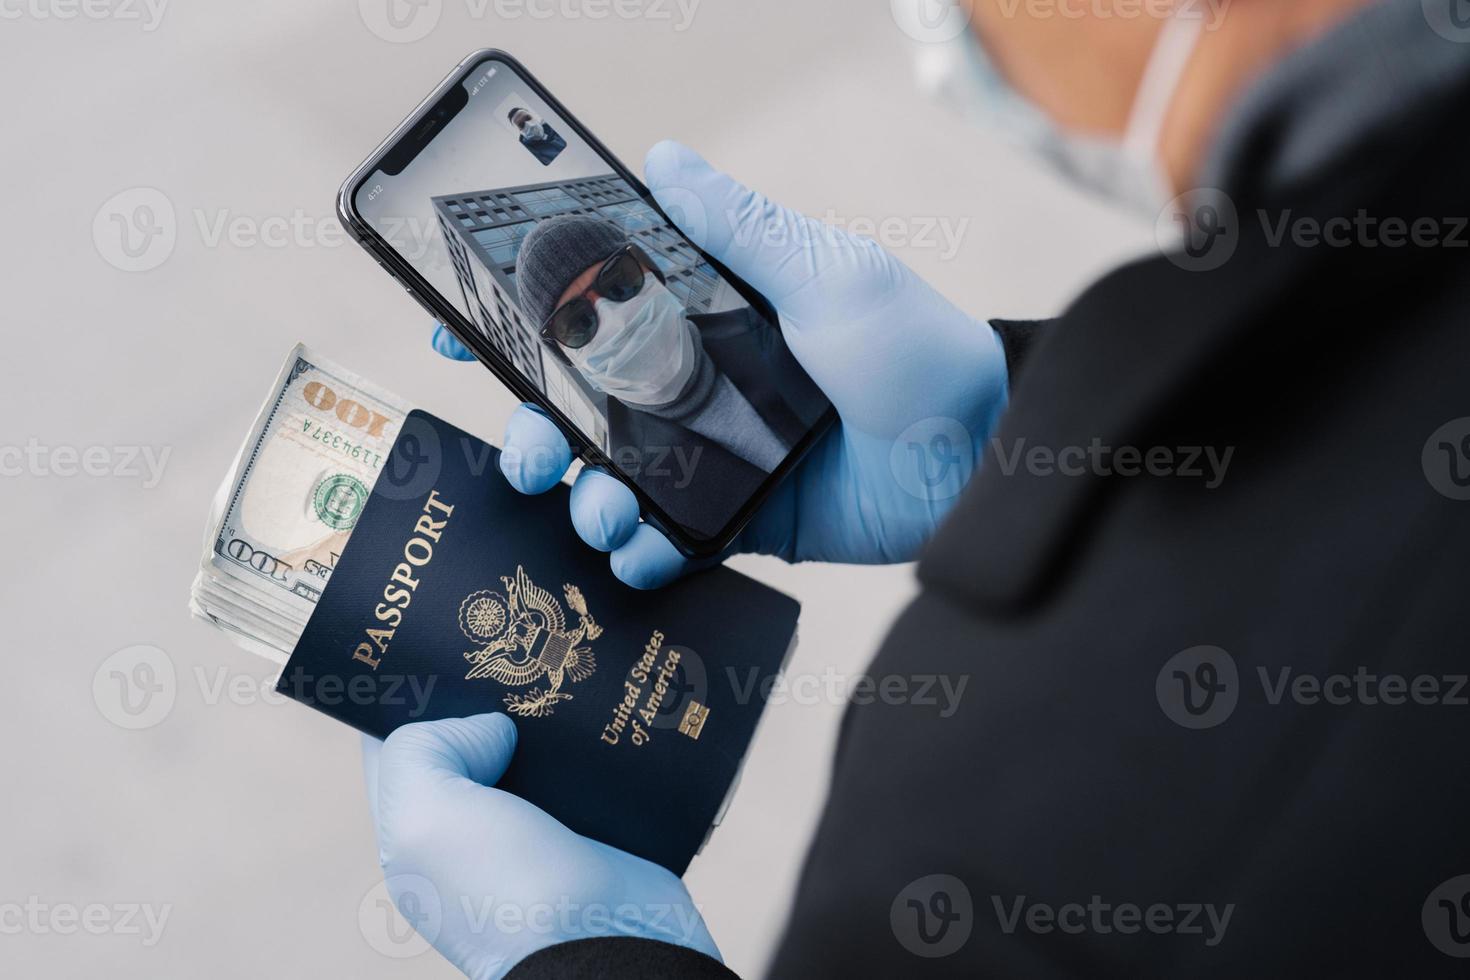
x: 303, y: 477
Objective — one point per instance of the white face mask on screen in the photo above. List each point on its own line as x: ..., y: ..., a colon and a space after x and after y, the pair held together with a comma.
x: 644, y: 350
x: 1126, y: 171
x: 533, y: 128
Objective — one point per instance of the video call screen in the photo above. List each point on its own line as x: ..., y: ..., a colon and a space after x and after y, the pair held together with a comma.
x: 620, y: 323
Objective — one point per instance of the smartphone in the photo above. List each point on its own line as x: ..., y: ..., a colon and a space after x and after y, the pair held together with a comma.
x: 511, y: 224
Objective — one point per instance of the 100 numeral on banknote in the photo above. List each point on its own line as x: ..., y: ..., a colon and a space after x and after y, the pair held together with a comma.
x: 303, y: 478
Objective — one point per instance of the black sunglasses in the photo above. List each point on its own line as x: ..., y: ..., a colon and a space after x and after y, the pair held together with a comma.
x: 574, y: 323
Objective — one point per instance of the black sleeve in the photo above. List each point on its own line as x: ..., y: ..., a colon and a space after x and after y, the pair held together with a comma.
x: 614, y: 958
x: 1018, y: 337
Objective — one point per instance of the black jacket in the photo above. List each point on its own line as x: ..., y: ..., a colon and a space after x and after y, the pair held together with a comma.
x: 1084, y: 610
x: 547, y: 148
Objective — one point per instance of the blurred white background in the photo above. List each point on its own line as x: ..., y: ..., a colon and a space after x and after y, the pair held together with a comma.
x: 245, y: 819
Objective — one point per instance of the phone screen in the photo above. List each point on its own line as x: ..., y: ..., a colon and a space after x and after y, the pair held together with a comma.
x: 578, y: 282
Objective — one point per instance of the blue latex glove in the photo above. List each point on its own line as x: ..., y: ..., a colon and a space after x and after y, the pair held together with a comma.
x: 918, y: 383
x: 486, y: 877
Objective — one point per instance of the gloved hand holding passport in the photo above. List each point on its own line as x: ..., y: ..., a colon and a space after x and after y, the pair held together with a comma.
x: 410, y: 583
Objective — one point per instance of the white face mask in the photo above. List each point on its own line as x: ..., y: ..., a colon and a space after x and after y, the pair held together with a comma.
x: 644, y: 352
x: 1128, y: 171
x: 533, y: 128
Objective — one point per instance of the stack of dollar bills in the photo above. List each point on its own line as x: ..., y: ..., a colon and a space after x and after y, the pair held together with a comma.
x: 285, y: 511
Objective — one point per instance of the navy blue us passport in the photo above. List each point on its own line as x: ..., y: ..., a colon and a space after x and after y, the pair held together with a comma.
x: 456, y: 595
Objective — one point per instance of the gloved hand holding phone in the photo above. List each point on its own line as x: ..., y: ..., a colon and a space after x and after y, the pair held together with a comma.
x: 918, y: 385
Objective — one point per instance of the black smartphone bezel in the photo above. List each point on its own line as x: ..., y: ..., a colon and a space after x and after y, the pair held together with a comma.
x: 684, y: 539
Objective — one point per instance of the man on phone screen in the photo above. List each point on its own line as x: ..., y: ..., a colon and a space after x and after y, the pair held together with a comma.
x: 721, y: 390
x: 537, y: 136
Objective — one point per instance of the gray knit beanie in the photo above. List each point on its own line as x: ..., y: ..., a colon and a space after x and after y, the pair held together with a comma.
x: 555, y: 253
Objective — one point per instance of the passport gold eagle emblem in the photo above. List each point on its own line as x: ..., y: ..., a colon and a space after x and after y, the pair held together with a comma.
x: 522, y: 637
